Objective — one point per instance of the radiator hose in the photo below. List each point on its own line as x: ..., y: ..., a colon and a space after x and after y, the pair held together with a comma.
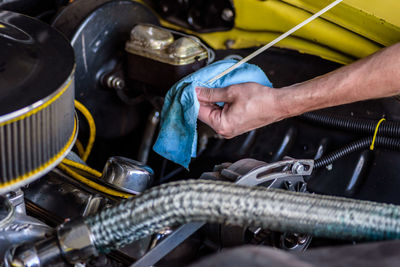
x: 177, y: 203
x: 181, y: 202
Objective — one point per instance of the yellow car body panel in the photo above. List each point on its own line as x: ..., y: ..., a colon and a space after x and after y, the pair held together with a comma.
x: 353, y: 29
x: 378, y: 21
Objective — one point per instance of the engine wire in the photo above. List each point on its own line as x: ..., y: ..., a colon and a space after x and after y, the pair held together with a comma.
x: 92, y: 129
x: 92, y: 184
x: 84, y: 153
x: 82, y: 167
x: 79, y: 147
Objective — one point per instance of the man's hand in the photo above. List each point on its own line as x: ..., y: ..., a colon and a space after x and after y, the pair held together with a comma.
x: 250, y: 105
x: 247, y: 106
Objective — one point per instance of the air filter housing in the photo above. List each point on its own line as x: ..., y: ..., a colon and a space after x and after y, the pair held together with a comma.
x: 37, y: 121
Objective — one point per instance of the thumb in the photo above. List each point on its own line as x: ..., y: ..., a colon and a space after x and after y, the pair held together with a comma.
x: 212, y: 95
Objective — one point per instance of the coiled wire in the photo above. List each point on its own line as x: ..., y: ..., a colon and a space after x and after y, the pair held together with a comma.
x: 92, y: 129
x: 385, y: 142
x: 388, y: 128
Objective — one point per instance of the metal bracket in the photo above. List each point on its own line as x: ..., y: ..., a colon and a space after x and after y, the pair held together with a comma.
x: 277, y: 171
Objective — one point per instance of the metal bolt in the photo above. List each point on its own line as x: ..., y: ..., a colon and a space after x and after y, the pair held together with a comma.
x: 298, y: 168
x: 229, y: 43
x: 302, y: 239
x: 115, y: 82
x: 227, y: 14
x: 164, y: 8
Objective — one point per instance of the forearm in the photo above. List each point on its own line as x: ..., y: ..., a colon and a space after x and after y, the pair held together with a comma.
x: 249, y: 106
x: 376, y: 76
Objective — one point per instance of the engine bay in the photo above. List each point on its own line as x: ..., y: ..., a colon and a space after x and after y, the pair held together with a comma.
x: 82, y: 89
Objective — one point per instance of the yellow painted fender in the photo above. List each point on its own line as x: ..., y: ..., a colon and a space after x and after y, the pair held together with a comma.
x: 353, y: 29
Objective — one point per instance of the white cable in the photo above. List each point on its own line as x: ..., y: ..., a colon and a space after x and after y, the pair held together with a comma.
x: 283, y: 36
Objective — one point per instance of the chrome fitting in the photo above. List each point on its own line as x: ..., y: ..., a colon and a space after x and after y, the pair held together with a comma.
x: 72, y: 244
x: 75, y: 241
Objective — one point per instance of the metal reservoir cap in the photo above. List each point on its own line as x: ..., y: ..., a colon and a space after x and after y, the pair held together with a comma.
x: 37, y: 122
x: 128, y: 174
x: 150, y: 37
x: 158, y: 44
x: 186, y: 50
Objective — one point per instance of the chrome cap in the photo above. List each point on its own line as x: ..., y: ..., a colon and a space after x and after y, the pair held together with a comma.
x: 128, y: 174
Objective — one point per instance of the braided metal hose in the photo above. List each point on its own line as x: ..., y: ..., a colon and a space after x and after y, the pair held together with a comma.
x: 220, y: 202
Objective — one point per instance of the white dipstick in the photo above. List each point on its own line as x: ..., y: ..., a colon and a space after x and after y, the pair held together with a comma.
x: 283, y: 36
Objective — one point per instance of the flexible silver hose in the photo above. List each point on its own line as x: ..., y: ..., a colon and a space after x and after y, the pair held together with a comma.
x: 220, y: 202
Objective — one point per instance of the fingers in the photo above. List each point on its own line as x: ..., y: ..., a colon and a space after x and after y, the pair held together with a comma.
x: 213, y: 95
x: 210, y: 115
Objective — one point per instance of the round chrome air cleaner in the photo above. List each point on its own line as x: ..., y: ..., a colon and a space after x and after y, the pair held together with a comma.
x: 37, y: 122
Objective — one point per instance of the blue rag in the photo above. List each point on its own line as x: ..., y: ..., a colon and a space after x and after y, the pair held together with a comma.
x: 177, y: 139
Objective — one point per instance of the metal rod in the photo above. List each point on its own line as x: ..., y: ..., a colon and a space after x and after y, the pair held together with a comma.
x: 168, y: 244
x: 280, y: 38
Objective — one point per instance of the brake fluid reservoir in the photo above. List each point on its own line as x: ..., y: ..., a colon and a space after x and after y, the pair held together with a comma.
x: 157, y: 52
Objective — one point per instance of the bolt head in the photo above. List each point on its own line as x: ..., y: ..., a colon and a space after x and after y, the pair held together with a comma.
x: 227, y: 14
x: 298, y: 168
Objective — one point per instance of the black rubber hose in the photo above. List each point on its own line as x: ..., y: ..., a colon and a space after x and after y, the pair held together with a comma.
x: 384, y: 142
x: 387, y: 128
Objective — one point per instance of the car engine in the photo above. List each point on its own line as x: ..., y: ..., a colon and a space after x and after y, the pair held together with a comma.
x: 82, y: 86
